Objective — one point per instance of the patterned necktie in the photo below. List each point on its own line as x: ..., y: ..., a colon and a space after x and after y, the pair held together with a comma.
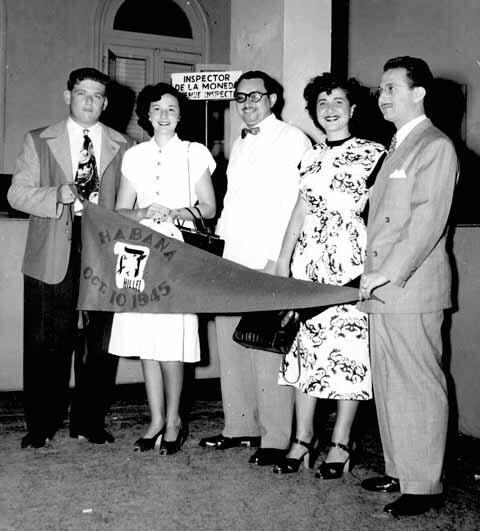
x: 393, y: 145
x: 86, y: 179
x: 251, y: 130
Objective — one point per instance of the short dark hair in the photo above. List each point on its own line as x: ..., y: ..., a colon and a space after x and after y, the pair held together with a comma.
x: 418, y: 71
x: 76, y: 76
x: 271, y: 86
x: 152, y: 93
x: 326, y: 83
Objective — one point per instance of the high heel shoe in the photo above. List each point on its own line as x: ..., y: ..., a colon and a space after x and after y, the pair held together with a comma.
x: 144, y: 444
x: 172, y: 447
x: 289, y: 465
x: 336, y: 470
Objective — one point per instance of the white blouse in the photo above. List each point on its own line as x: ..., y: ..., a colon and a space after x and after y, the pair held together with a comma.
x: 166, y: 175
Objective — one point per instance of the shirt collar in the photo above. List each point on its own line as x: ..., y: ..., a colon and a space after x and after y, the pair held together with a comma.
x: 403, y: 132
x: 265, y: 124
x: 77, y: 128
x: 173, y: 143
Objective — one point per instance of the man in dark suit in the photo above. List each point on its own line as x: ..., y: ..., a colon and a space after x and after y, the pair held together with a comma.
x: 408, y: 267
x: 59, y: 167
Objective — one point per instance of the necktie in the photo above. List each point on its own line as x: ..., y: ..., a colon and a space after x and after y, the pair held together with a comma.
x: 393, y: 145
x: 86, y: 179
x: 251, y: 130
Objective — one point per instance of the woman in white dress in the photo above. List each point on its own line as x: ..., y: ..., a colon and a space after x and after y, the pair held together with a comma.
x: 161, y: 178
x: 325, y: 242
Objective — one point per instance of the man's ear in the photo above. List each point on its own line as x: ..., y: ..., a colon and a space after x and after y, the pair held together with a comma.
x: 67, y: 96
x: 105, y: 103
x: 419, y: 94
x: 352, y: 109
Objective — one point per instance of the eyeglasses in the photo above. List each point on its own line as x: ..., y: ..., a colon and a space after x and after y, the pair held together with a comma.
x: 254, y: 97
x: 389, y: 89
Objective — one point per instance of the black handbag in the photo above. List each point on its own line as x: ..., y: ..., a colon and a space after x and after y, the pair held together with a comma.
x: 200, y: 236
x: 264, y: 331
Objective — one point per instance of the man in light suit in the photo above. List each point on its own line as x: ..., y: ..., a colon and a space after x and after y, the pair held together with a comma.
x: 262, y: 189
x: 408, y: 267
x: 43, y: 186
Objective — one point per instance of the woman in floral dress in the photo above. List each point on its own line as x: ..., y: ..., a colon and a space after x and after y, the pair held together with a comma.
x: 325, y: 242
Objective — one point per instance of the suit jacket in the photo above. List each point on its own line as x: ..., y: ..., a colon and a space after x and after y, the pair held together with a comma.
x: 407, y: 224
x: 42, y: 166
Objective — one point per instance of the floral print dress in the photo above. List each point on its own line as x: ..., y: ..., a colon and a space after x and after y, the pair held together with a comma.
x: 330, y: 356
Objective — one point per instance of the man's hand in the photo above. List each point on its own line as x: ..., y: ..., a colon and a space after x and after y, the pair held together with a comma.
x: 291, y: 314
x: 65, y: 194
x: 369, y: 282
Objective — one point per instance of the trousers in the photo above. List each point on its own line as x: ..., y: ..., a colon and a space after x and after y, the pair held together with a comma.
x: 51, y: 336
x: 411, y: 397
x: 253, y: 402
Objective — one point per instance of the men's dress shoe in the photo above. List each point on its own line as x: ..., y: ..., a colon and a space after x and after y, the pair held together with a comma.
x: 33, y: 440
x: 96, y: 437
x: 267, y: 456
x: 414, y: 504
x: 101, y: 437
x: 220, y: 442
x: 381, y: 484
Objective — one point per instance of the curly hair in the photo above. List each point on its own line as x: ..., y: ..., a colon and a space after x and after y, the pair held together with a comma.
x: 327, y: 83
x: 152, y: 93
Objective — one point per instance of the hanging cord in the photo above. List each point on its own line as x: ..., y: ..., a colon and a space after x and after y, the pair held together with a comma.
x: 299, y: 363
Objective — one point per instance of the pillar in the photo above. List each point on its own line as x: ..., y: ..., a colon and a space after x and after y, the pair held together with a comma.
x: 288, y: 39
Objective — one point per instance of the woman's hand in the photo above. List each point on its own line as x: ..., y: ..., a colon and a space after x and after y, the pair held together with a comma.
x: 158, y: 213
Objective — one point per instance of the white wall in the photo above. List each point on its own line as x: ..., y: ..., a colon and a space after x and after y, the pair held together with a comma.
x: 290, y: 44
x: 443, y: 32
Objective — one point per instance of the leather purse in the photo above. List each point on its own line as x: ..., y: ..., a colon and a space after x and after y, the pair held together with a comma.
x: 200, y: 236
x: 264, y: 331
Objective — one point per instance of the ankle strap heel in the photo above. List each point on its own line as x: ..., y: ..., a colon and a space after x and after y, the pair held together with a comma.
x: 289, y: 465
x: 335, y: 470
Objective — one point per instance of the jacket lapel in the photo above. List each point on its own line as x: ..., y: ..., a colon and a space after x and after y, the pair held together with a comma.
x: 110, y: 147
x: 394, y: 161
x: 59, y: 143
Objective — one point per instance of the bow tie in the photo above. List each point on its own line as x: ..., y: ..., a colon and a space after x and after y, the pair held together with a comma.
x: 251, y: 130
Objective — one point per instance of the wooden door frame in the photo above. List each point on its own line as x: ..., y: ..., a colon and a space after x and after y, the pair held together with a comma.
x: 103, y: 33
